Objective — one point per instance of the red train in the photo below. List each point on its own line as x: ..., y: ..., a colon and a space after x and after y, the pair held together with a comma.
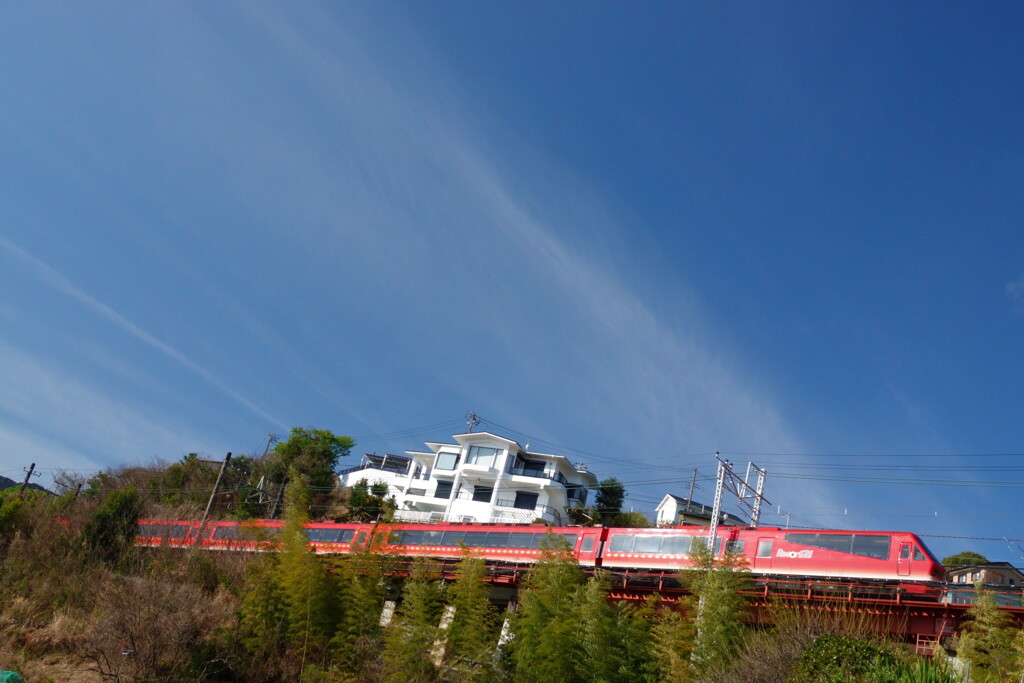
x: 887, y: 557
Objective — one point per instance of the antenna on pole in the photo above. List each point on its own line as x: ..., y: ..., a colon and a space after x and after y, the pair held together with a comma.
x: 471, y: 421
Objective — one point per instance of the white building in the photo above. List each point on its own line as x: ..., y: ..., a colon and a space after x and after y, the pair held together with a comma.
x: 673, y: 510
x: 480, y: 478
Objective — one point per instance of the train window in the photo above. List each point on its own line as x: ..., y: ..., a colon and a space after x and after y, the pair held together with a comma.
x: 227, y: 533
x: 518, y: 540
x: 413, y: 538
x: 867, y: 545
x: 764, y: 548
x: 676, y: 545
x: 476, y: 539
x: 876, y: 547
x: 452, y: 539
x: 588, y: 544
x: 735, y: 546
x: 918, y: 555
x: 622, y: 543
x: 570, y: 539
x: 647, y: 543
x: 838, y: 542
x: 497, y: 539
x: 179, y: 530
x: 322, y: 535
x: 905, y: 552
x: 433, y: 537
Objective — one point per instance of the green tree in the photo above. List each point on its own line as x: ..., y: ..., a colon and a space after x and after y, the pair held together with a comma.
x: 629, y: 519
x: 613, y: 639
x: 473, y: 633
x: 988, y: 638
x: 610, y: 496
x: 186, y: 482
x: 264, y: 618
x: 966, y: 558
x: 717, y: 605
x: 672, y: 637
x: 413, y: 631
x: 363, y: 588
x: 369, y: 503
x: 313, y: 452
x: 307, y: 586
x: 13, y: 513
x: 545, y: 645
x: 110, y: 533
x: 838, y: 658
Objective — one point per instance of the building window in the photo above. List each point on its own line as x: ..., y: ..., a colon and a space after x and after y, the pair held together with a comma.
x: 577, y: 493
x: 443, y: 490
x: 446, y: 461
x: 525, y: 500
x: 482, y: 494
x: 483, y: 456
x: 976, y: 576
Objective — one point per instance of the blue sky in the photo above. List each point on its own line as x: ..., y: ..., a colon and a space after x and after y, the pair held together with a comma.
x: 632, y: 235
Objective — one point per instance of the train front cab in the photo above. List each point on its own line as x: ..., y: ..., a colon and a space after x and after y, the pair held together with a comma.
x: 858, y: 557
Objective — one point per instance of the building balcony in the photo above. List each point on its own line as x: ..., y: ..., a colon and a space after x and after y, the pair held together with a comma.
x: 539, y: 474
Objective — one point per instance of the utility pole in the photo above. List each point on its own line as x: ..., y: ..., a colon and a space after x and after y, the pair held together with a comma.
x: 728, y: 480
x: 216, y: 485
x: 723, y: 465
x: 31, y: 469
x: 472, y: 421
x: 693, y: 484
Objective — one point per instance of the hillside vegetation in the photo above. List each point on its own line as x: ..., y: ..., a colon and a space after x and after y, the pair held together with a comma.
x: 82, y: 603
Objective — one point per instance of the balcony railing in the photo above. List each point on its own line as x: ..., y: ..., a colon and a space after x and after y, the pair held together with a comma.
x: 543, y: 511
x: 418, y: 516
x: 539, y: 474
x: 398, y: 469
x: 503, y: 507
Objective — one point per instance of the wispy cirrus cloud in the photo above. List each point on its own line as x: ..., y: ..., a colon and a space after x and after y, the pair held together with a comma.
x: 59, y: 282
x: 60, y: 422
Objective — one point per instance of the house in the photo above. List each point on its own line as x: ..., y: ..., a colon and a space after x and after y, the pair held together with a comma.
x: 1002, y: 574
x: 482, y: 477
x: 673, y: 510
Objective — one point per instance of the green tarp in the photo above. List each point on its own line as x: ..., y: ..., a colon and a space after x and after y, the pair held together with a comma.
x: 11, y: 677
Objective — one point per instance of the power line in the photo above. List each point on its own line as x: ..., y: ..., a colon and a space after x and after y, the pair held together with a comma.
x: 878, y: 455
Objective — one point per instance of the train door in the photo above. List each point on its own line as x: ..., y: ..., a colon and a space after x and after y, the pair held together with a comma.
x: 763, y: 555
x: 905, y: 557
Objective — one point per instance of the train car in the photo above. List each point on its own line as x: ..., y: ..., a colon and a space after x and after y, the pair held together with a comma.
x: 256, y: 535
x: 874, y: 556
x: 330, y: 538
x: 153, y: 533
x: 890, y: 556
x: 253, y: 535
x: 511, y: 544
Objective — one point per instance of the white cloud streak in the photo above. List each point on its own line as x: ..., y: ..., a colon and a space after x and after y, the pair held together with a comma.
x: 58, y: 421
x: 60, y: 283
